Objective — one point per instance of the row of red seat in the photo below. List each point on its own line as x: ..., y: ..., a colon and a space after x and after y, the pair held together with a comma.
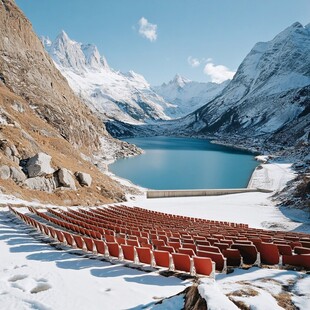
x: 224, y: 249
x: 155, y: 258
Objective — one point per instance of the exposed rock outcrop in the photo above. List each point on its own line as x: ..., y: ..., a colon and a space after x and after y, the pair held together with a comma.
x: 42, y: 183
x: 83, y: 178
x: 17, y: 175
x: 4, y: 172
x: 66, y: 179
x: 39, y: 165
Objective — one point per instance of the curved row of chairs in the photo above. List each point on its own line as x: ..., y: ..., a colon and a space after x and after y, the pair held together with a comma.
x: 126, y: 227
x: 124, y: 252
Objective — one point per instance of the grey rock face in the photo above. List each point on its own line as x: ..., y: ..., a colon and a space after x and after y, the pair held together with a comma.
x: 66, y: 179
x: 4, y: 172
x: 83, y: 178
x: 39, y: 165
x: 41, y: 184
x: 17, y: 175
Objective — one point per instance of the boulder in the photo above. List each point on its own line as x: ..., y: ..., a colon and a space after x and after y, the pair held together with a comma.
x: 66, y: 179
x: 41, y: 184
x: 17, y: 175
x: 83, y: 178
x: 5, y: 172
x: 39, y: 165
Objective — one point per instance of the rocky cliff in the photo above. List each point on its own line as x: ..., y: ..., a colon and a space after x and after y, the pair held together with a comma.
x: 40, y: 113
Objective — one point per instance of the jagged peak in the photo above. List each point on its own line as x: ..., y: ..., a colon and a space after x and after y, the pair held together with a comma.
x: 75, y: 55
x: 180, y: 80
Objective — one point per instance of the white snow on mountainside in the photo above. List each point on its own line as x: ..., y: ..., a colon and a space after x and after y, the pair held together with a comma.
x: 188, y: 95
x: 114, y: 95
x: 268, y: 94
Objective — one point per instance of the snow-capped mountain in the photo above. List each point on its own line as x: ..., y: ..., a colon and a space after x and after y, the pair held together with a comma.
x: 188, y: 95
x: 269, y: 95
x: 114, y: 95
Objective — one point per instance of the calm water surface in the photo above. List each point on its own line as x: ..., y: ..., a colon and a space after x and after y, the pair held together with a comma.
x: 185, y: 163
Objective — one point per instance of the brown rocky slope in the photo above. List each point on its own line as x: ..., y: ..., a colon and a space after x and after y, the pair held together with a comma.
x: 40, y: 113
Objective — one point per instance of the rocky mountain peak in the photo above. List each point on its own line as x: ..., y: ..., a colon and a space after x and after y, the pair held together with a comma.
x: 74, y: 55
x: 180, y: 81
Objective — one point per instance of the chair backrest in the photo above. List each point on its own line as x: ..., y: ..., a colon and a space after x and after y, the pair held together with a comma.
x: 181, y: 262
x: 218, y: 258
x: 247, y: 251
x: 299, y: 260
x: 158, y: 242
x: 203, y: 265
x: 132, y: 242
x: 109, y: 238
x: 78, y: 241
x: 233, y: 257
x: 162, y: 258
x: 209, y: 248
x: 144, y: 255
x: 189, y: 246
x: 187, y: 251
x: 100, y: 246
x: 120, y: 240
x: 269, y: 253
x: 167, y: 248
x: 60, y: 235
x: 128, y: 252
x: 175, y: 245
x: 221, y: 246
x: 89, y: 243
x: 203, y: 242
x: 284, y: 249
x: 69, y: 238
x: 301, y: 250
x: 113, y: 249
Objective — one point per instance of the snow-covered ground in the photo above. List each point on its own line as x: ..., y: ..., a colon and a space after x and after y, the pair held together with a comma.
x: 34, y: 275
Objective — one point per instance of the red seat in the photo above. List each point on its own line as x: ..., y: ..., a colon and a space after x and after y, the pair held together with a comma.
x: 239, y: 241
x: 132, y: 242
x: 100, y: 246
x: 203, y: 242
x: 301, y: 250
x: 69, y: 238
x: 218, y: 258
x: 167, y: 248
x: 209, y: 248
x: 143, y: 241
x: 175, y: 245
x: 181, y: 262
x: 189, y: 246
x: 284, y: 249
x: 247, y: 251
x: 203, y: 265
x: 128, y: 252
x: 78, y: 241
x: 52, y: 232
x: 60, y: 236
x: 305, y: 244
x: 269, y: 253
x: 157, y: 243
x: 89, y: 243
x: 162, y: 258
x: 213, y: 240
x: 109, y: 238
x: 144, y: 255
x: 187, y: 251
x: 233, y: 257
x: 113, y: 249
x: 299, y: 260
x: 221, y: 246
x: 120, y: 240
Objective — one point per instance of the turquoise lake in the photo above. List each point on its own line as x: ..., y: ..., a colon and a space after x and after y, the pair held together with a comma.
x: 185, y: 163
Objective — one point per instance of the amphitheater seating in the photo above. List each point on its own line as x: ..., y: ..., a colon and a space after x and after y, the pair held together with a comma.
x: 248, y: 252
x: 203, y: 265
x: 181, y: 262
x: 129, y: 252
x: 128, y: 230
x: 233, y: 257
x: 162, y: 258
x: 269, y: 253
x: 144, y: 255
x: 218, y: 258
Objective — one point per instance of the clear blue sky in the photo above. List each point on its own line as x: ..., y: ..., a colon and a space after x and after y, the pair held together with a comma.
x: 220, y: 31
